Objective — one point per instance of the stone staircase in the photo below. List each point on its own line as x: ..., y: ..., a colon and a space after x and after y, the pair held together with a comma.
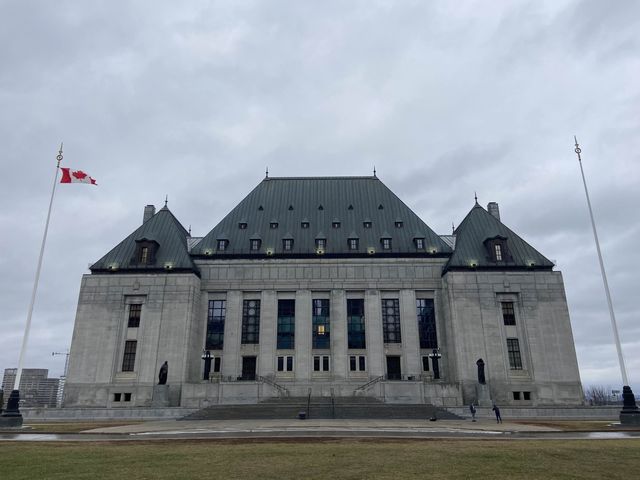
x: 321, y: 408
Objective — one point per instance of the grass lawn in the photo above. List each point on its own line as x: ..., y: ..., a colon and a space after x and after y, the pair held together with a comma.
x: 328, y: 459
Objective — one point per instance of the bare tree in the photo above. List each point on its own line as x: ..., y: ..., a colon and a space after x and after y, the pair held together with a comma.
x: 597, y: 394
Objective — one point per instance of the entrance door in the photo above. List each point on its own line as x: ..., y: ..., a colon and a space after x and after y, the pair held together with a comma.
x: 248, y: 368
x: 393, y: 368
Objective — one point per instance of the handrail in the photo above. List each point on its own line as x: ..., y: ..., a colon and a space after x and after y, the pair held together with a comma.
x: 309, y: 404
x: 281, y: 390
x: 369, y: 384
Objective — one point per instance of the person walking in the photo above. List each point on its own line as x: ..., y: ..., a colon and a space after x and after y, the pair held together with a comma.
x: 472, y: 409
x: 497, y: 412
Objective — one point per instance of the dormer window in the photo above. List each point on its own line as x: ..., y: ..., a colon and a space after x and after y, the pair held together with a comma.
x: 304, y: 224
x: 145, y: 253
x: 353, y: 244
x: 366, y: 224
x: 335, y: 224
x: 419, y: 243
x: 398, y: 224
x: 287, y: 244
x: 497, y: 249
x: 321, y: 243
x: 222, y: 245
x: 273, y: 225
x: 386, y: 243
x: 255, y: 244
x: 242, y: 225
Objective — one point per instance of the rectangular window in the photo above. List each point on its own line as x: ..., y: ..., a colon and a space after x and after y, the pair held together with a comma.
x: 357, y: 363
x: 287, y: 244
x: 508, y: 313
x: 222, y: 245
x: 250, y: 321
x: 216, y: 364
x: 321, y: 363
x: 321, y: 332
x: 321, y: 243
x: 426, y: 323
x: 386, y: 244
x: 355, y: 323
x: 117, y: 397
x: 391, y: 320
x: 513, y: 348
x: 129, y: 358
x: 215, y: 324
x: 144, y: 255
x: 516, y: 395
x: 419, y: 243
x: 498, y: 251
x: 285, y: 363
x: 526, y: 395
x: 135, y: 309
x: 286, y: 324
x: 127, y: 397
x: 255, y: 245
x: 353, y: 244
x: 425, y: 364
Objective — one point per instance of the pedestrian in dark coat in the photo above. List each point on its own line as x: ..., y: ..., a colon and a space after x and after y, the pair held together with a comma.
x: 472, y: 409
x: 497, y: 412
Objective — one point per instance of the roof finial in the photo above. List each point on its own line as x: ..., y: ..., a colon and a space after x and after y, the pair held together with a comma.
x: 578, y: 150
x: 266, y: 173
x: 189, y: 230
x: 166, y: 200
x: 475, y: 195
x: 374, y: 170
x: 453, y: 228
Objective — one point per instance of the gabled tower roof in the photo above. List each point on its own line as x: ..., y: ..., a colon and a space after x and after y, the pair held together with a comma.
x: 169, y: 239
x: 478, y: 232
x: 302, y: 208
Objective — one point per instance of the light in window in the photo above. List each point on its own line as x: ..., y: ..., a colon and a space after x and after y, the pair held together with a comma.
x: 304, y: 224
x: 222, y: 245
x: 419, y: 243
x: 144, y: 255
x: 366, y: 224
x: 273, y: 225
x: 255, y: 244
x: 498, y: 251
x: 287, y: 244
x: 335, y: 225
x: 386, y: 244
x: 321, y: 330
x: 353, y: 244
x: 321, y: 243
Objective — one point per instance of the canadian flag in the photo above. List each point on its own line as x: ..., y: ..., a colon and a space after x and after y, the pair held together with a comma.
x: 76, y: 176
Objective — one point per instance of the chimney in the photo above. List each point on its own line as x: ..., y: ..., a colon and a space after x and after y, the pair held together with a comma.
x: 493, y: 209
x: 149, y: 211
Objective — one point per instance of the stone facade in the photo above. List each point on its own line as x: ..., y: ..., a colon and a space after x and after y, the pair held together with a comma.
x: 528, y: 361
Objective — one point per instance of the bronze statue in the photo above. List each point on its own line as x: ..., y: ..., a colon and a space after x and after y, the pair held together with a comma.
x: 480, y: 364
x: 162, y: 376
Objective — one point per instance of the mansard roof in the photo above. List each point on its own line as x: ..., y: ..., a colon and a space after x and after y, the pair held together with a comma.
x: 171, y: 249
x: 334, y: 207
x: 478, y: 232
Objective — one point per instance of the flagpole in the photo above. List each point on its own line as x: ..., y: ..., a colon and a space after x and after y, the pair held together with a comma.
x: 27, y: 328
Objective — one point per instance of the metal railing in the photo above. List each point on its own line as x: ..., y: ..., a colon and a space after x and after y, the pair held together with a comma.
x: 369, y: 384
x: 309, y: 404
x: 282, y: 391
x: 333, y: 404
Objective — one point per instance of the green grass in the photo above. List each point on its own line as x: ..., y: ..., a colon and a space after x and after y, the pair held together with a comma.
x: 330, y: 459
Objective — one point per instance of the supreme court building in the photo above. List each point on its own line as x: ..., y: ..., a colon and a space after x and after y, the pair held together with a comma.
x: 328, y: 285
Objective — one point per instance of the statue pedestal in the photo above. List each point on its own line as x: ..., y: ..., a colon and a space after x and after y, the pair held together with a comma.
x: 160, y: 396
x: 483, y: 395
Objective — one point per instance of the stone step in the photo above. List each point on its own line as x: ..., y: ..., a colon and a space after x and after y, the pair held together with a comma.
x: 274, y: 410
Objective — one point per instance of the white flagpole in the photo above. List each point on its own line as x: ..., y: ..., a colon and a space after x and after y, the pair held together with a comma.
x: 623, y: 368
x: 27, y: 328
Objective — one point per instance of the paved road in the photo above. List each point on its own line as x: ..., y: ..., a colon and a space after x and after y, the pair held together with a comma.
x: 318, y: 429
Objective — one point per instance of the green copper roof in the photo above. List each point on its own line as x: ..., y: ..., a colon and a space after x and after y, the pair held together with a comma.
x: 333, y: 208
x: 471, y: 249
x: 171, y: 254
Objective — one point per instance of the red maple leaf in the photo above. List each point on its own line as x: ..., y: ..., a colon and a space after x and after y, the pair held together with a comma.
x: 79, y: 174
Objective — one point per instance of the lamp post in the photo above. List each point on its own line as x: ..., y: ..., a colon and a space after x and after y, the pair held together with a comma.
x: 435, y: 356
x: 206, y: 356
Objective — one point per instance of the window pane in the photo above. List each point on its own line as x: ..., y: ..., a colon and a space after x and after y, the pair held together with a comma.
x: 391, y: 320
x: 316, y: 364
x: 289, y: 364
x: 352, y: 363
x: 426, y: 323
x: 321, y: 335
x: 216, y: 364
x: 325, y: 363
x: 361, y: 363
x: 286, y: 324
x: 135, y: 310
x: 513, y: 349
x: 355, y: 323
x: 280, y: 364
x: 250, y: 321
x: 508, y: 313
x: 425, y: 364
x: 129, y: 358
x: 215, y: 324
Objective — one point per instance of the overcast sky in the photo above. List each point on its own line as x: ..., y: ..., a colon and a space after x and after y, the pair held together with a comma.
x: 195, y: 99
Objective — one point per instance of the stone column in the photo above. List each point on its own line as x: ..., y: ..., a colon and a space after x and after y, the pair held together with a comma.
x: 268, y: 330
x: 373, y: 324
x: 338, y: 319
x: 409, y: 329
x: 303, y: 335
x: 232, y: 335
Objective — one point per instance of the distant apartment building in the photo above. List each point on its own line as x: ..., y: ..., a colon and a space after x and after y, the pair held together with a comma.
x: 36, y: 389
